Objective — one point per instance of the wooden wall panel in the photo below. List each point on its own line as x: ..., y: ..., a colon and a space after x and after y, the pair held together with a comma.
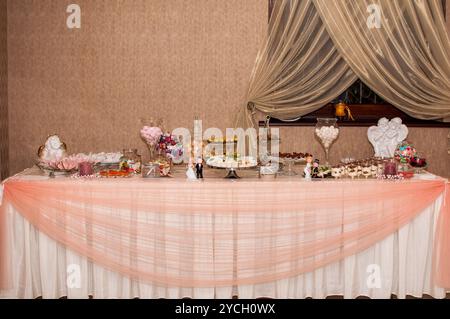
x: 4, y: 169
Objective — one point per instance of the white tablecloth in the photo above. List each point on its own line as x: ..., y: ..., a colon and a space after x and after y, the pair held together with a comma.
x: 45, y: 268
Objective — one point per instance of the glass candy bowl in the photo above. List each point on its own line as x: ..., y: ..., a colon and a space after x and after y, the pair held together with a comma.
x: 327, y: 131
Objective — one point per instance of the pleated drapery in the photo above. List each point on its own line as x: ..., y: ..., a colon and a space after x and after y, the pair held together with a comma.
x: 405, y: 59
x: 317, y: 48
x: 299, y: 69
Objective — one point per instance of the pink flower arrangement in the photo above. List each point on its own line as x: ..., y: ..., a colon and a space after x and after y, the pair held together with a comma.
x: 170, y: 145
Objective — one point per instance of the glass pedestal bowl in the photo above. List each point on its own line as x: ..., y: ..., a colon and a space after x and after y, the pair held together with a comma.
x: 327, y: 131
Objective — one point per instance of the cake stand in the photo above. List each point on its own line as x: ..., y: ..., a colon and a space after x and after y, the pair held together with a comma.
x: 231, y: 164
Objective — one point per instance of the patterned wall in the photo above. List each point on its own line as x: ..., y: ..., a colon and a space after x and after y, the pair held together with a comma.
x: 3, y: 91
x: 132, y: 59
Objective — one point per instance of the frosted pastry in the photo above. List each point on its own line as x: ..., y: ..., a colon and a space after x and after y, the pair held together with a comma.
x: 366, y: 171
x: 337, y: 172
x: 352, y: 171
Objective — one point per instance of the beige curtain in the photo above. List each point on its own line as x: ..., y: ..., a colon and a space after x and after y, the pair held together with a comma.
x: 298, y: 69
x: 317, y: 48
x: 405, y: 58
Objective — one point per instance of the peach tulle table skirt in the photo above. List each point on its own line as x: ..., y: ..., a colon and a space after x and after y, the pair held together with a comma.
x: 42, y: 268
x: 400, y: 263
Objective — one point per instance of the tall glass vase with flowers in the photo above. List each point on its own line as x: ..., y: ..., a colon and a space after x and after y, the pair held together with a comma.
x: 151, y: 133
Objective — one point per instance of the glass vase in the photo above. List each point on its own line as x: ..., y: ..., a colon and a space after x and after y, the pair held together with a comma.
x: 152, y: 153
x: 131, y: 160
x: 165, y: 163
x: 327, y: 131
x: 152, y: 122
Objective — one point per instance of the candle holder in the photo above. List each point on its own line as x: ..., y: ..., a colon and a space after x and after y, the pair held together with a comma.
x: 390, y: 167
x: 85, y: 169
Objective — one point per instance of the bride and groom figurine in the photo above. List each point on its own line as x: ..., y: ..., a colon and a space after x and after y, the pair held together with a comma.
x: 198, y: 174
x: 386, y: 136
x: 308, y: 168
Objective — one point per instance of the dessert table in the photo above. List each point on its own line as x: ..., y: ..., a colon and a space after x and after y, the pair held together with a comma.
x: 217, y: 238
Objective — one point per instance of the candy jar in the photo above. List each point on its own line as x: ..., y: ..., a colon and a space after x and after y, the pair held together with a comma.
x: 419, y: 163
x: 390, y: 167
x: 403, y: 166
x: 327, y: 131
x: 85, y: 169
x: 290, y: 167
x: 404, y: 152
x: 151, y: 133
x: 131, y: 161
x: 150, y: 170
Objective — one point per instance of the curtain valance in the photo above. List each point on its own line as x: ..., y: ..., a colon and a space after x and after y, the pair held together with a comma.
x: 317, y: 48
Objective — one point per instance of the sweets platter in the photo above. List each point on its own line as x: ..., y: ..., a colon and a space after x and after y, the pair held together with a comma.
x: 53, y: 163
x: 231, y: 164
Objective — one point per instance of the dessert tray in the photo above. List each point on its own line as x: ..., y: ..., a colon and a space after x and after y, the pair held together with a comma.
x: 296, y: 157
x: 69, y: 164
x: 52, y: 171
x: 288, y: 160
x: 232, y: 163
